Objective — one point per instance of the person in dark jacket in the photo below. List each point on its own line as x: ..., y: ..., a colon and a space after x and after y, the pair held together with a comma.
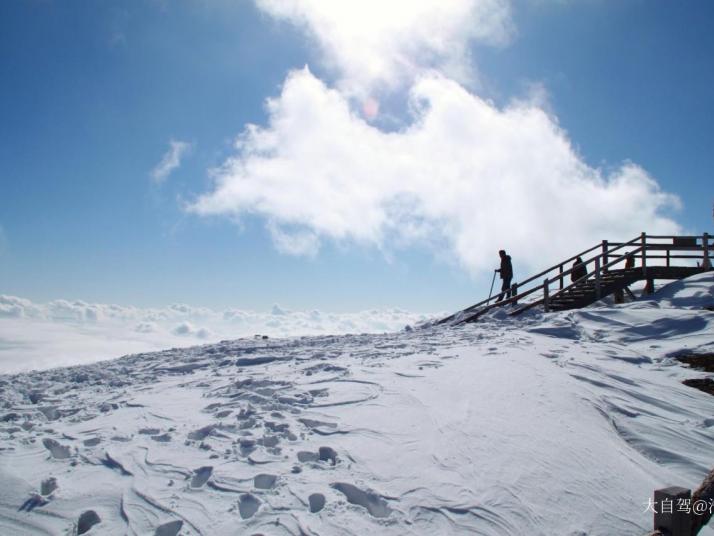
x: 620, y: 293
x: 629, y: 261
x: 579, y: 270
x: 506, y: 271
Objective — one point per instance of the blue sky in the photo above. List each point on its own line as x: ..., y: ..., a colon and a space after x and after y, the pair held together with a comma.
x: 94, y: 92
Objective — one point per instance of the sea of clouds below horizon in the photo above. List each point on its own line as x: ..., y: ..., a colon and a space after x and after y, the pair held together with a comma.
x: 63, y: 332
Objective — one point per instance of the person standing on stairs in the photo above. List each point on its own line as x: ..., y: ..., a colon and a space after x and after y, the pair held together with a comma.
x: 506, y: 271
x: 579, y: 270
x: 620, y: 293
x: 629, y: 261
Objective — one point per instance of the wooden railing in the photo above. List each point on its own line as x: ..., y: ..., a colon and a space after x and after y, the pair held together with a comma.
x: 644, y: 247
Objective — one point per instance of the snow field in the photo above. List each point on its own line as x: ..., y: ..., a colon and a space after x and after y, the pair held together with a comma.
x: 548, y: 424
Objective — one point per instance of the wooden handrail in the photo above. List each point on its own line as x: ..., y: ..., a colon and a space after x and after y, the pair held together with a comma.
x: 544, y: 272
x: 668, y: 237
x: 586, y: 276
x: 637, y: 248
x: 659, y: 247
x: 599, y: 256
x: 521, y: 284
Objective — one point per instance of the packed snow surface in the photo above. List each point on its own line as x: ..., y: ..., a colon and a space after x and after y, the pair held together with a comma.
x: 548, y: 424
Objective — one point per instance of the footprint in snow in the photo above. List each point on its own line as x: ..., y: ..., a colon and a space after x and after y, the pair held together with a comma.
x: 264, y: 481
x: 48, y: 486
x: 374, y: 503
x: 59, y: 452
x: 201, y: 476
x: 317, y: 502
x: 201, y: 433
x: 87, y: 520
x: 172, y: 528
x: 248, y: 505
x: 328, y: 454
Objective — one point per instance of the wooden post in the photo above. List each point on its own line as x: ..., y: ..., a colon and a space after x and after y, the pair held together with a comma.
x: 644, y: 254
x: 706, y: 263
x: 605, y: 256
x: 704, y: 493
x: 598, y: 290
x: 670, y: 515
x: 561, y: 276
x: 514, y: 293
x: 619, y: 296
x: 546, y: 306
x: 668, y: 250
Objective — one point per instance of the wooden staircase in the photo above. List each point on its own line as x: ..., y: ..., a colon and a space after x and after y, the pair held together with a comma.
x: 660, y: 257
x: 585, y: 292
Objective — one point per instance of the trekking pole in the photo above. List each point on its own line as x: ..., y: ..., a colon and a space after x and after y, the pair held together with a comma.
x: 491, y: 291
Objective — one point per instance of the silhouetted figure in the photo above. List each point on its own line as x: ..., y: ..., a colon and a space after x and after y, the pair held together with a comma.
x: 620, y: 293
x: 579, y: 270
x: 629, y: 261
x: 506, y: 271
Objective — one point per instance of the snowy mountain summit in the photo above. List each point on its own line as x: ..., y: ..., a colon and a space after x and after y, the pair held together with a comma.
x: 549, y: 424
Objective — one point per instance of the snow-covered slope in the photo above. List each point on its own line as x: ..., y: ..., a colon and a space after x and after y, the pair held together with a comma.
x: 549, y: 424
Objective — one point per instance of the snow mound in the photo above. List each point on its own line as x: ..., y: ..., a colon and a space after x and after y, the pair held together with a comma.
x: 547, y: 424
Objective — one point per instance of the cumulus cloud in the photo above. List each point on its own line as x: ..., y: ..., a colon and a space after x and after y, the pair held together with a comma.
x: 186, y: 328
x: 373, y: 43
x: 465, y: 176
x: 12, y: 306
x: 170, y: 161
x: 462, y: 175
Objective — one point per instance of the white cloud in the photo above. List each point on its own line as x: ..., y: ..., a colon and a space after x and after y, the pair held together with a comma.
x: 65, y: 332
x: 294, y: 241
x: 377, y: 43
x: 461, y: 176
x: 466, y: 177
x: 170, y: 161
x: 278, y: 311
x: 186, y: 328
x: 12, y: 306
